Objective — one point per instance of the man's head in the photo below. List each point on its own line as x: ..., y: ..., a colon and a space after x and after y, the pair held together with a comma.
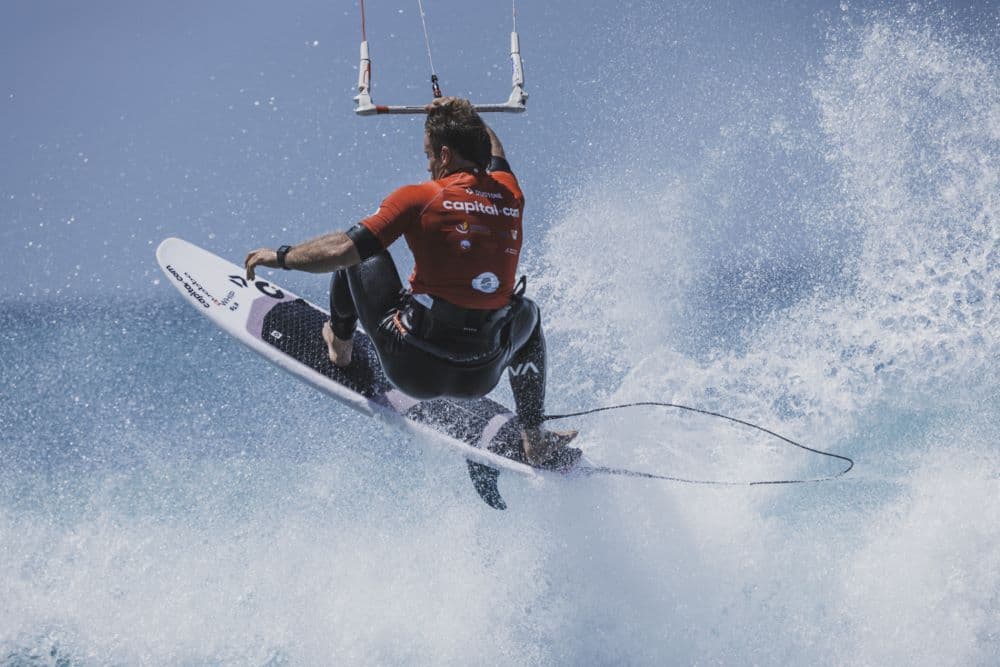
x: 454, y: 137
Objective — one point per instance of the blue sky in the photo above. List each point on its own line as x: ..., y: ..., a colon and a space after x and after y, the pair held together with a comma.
x: 230, y: 123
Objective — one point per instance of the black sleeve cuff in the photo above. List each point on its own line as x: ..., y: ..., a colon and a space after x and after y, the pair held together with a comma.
x: 367, y: 243
x: 498, y: 164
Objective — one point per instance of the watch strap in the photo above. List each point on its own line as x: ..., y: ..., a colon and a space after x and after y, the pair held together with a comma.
x: 282, y: 254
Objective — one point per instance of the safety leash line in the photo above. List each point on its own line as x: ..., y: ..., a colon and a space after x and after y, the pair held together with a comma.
x: 631, y: 473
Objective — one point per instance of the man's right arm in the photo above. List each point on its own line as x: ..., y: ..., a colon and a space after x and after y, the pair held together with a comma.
x: 339, y: 250
x: 323, y: 254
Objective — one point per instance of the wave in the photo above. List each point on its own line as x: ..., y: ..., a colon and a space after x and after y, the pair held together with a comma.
x: 828, y: 269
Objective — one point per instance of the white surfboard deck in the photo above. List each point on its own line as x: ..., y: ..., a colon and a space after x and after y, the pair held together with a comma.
x: 282, y: 328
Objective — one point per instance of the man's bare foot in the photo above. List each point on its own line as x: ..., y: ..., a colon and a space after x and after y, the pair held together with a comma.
x: 548, y: 449
x: 338, y: 350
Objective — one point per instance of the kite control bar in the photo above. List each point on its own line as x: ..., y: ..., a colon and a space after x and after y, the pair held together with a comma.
x: 514, y: 104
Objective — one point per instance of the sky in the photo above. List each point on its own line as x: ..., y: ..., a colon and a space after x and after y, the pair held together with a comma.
x: 780, y: 211
x: 230, y: 124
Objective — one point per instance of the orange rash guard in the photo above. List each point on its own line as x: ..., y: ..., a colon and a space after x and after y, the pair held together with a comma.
x: 465, y: 234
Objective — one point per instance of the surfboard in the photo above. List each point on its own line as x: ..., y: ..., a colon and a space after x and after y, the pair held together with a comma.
x: 286, y: 330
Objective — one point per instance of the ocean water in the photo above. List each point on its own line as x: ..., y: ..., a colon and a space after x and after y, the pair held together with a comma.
x: 827, y: 265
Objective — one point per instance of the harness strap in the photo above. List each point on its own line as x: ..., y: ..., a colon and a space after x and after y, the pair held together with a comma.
x: 521, y: 286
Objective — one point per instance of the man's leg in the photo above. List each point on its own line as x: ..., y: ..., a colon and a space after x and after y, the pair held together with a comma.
x: 339, y: 331
x: 527, y: 381
x: 365, y: 291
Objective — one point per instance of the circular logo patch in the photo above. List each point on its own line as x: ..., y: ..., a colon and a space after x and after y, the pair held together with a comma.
x: 465, y: 244
x: 486, y: 282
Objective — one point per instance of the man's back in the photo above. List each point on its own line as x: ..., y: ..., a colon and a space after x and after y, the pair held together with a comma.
x: 465, y: 234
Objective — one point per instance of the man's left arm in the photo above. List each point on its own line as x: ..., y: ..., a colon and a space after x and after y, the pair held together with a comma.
x: 323, y: 254
x: 498, y: 159
x: 496, y: 148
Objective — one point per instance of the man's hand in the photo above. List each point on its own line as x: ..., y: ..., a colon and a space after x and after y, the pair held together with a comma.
x: 448, y: 101
x: 260, y: 257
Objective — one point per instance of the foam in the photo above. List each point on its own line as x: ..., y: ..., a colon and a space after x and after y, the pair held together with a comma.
x: 173, y: 515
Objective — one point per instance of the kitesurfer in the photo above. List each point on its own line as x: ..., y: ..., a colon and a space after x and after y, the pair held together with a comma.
x: 464, y: 318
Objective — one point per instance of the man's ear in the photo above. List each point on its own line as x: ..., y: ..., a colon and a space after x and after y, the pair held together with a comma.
x: 445, y: 155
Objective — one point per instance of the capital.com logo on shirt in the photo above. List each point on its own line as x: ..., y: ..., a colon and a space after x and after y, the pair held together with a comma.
x: 480, y: 207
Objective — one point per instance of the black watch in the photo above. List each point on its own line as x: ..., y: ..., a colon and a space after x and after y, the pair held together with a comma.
x: 282, y: 253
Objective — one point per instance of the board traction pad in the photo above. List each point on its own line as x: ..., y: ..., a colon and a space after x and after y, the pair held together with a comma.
x: 287, y: 330
x: 295, y: 328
